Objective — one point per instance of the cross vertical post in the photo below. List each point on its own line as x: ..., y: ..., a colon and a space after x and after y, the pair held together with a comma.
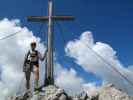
x: 49, y: 78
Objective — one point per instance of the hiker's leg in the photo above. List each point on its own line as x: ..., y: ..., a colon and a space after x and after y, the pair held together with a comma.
x: 27, y: 75
x: 36, y: 76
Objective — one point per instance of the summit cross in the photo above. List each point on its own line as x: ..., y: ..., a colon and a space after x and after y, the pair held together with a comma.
x: 49, y: 69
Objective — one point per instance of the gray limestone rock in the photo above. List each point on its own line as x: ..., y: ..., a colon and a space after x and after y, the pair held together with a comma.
x: 109, y: 92
x: 63, y: 97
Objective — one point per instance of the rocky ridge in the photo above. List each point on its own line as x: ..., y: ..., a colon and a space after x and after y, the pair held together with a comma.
x: 108, y: 92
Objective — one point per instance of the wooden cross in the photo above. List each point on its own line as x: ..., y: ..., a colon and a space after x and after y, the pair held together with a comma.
x: 49, y: 69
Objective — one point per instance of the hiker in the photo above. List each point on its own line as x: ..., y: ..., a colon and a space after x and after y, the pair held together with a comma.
x: 31, y: 64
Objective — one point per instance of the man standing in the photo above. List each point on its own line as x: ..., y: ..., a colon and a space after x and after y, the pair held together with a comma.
x: 31, y: 64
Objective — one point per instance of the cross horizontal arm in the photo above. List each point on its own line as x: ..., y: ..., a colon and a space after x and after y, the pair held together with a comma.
x: 54, y: 18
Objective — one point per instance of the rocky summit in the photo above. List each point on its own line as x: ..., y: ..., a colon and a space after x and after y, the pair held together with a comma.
x: 108, y: 92
x: 50, y: 92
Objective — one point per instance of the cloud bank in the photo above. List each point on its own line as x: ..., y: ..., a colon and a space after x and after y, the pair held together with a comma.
x: 79, y: 49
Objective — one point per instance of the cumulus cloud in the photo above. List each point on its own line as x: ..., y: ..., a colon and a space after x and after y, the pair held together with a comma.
x: 79, y: 49
x: 68, y: 80
x: 91, y: 89
x: 12, y: 54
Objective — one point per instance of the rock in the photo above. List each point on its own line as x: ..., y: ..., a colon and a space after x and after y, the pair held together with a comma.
x: 83, y: 96
x: 63, y: 97
x: 54, y: 93
x: 51, y: 92
x: 96, y: 97
x: 109, y: 92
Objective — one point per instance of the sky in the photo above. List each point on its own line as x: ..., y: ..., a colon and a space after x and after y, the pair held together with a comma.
x: 109, y: 21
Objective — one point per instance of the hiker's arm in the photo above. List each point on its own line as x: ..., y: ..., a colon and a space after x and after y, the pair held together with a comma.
x: 25, y: 60
x: 42, y: 57
x: 24, y: 63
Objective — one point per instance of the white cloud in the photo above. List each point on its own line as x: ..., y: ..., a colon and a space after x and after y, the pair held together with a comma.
x: 79, y: 50
x: 12, y: 54
x: 68, y: 80
x: 91, y: 89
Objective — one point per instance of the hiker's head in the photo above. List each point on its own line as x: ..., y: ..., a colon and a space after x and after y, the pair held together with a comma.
x: 33, y: 45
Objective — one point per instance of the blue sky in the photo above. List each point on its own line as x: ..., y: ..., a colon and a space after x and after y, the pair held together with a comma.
x: 109, y: 20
